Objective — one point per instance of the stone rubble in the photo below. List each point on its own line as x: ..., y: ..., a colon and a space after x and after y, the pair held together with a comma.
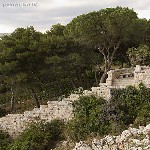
x: 131, y: 139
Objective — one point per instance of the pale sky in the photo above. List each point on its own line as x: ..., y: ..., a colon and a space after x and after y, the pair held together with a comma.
x: 42, y: 14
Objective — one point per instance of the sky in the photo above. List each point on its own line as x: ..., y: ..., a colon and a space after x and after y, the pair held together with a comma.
x: 42, y: 14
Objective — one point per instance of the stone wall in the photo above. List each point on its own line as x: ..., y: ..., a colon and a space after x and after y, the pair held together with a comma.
x: 120, y: 78
x: 142, y: 75
x: 14, y: 124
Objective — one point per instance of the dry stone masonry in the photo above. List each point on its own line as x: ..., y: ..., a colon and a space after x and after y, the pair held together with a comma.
x: 120, y: 78
x: 14, y: 124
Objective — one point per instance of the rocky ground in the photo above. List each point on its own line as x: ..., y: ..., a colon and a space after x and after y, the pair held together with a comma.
x: 131, y: 139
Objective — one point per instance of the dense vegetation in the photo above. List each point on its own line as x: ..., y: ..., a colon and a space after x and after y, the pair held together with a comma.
x: 41, y: 66
x: 37, y: 66
x: 5, y: 140
x: 38, y: 136
x: 92, y: 117
x: 100, y: 117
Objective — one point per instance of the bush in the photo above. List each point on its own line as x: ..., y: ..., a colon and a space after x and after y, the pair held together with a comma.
x: 5, y: 140
x: 2, y: 112
x: 131, y: 103
x: 86, y: 118
x: 56, y: 129
x: 143, y: 116
x: 39, y: 136
x: 98, y: 116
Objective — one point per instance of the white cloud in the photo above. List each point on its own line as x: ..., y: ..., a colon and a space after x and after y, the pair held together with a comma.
x: 49, y: 12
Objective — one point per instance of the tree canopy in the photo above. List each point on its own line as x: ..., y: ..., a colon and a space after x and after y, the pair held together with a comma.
x: 42, y: 66
x: 139, y: 55
x: 104, y: 30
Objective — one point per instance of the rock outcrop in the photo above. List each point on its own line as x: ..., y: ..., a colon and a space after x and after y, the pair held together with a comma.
x: 131, y: 139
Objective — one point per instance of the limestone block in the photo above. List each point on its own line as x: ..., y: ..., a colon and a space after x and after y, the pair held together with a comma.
x: 89, y: 93
x: 82, y: 146
x: 99, y: 92
x: 146, y: 130
x: 125, y: 134
x: 27, y: 113
x: 52, y: 103
x: 138, y: 68
x: 66, y: 99
x: 95, y: 89
x: 109, y: 82
x: 106, y: 147
x: 110, y: 74
x: 74, y: 97
x: 137, y: 142
x: 109, y: 140
x: 145, y: 142
x: 147, y: 147
x: 133, y: 131
x: 42, y: 107
x: 85, y: 92
x: 97, y: 144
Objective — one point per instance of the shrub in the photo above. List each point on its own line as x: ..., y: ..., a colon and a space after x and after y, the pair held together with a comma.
x: 86, y: 118
x: 56, y: 129
x: 131, y: 102
x: 98, y: 116
x: 2, y: 112
x: 143, y: 116
x: 5, y: 140
x: 39, y: 136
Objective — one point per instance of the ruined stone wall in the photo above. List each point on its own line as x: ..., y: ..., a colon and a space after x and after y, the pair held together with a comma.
x: 142, y: 75
x: 115, y: 74
x: 103, y: 91
x: 16, y: 123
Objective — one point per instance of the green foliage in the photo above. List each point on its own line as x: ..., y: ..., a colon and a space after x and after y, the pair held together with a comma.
x: 104, y: 31
x: 101, y: 117
x: 133, y: 104
x: 86, y: 118
x: 41, y: 66
x: 39, y: 136
x: 2, y: 112
x: 101, y: 26
x: 19, y: 58
x: 5, y: 140
x: 138, y: 55
x: 143, y: 116
x: 65, y: 57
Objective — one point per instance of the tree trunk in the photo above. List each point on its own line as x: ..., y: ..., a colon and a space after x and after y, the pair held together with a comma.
x: 122, y: 64
x: 72, y: 83
x: 96, y: 78
x: 35, y: 98
x: 108, y: 58
x: 12, y: 97
x: 104, y: 77
x: 12, y: 100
